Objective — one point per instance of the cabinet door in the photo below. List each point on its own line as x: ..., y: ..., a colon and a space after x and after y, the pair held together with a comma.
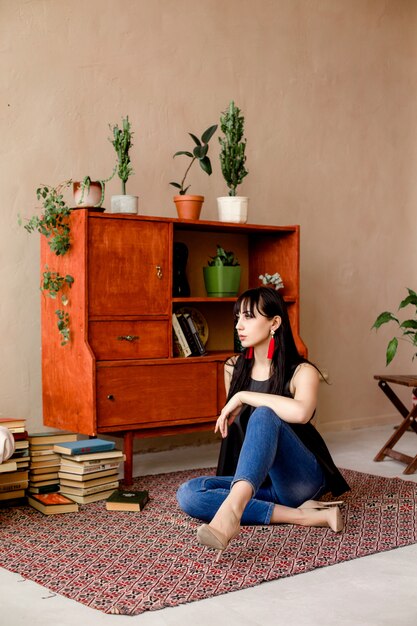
x: 148, y: 396
x: 128, y: 267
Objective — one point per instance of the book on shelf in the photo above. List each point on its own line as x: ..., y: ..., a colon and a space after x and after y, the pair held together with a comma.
x: 87, y: 491
x: 13, y: 501
x: 52, y: 503
x: 52, y: 437
x: 7, y: 495
x: 53, y: 487
x: 196, y: 335
x: 103, y: 477
x: 14, y: 486
x: 93, y: 456
x: 82, y: 469
x: 11, y: 477
x: 43, y: 483
x: 36, y: 471
x: 188, y: 334
x: 13, y: 424
x: 127, y: 500
x: 93, y: 497
x: 23, y: 436
x: 84, y: 447
x: 38, y: 478
x: 79, y: 478
x: 180, y: 337
x: 8, y: 466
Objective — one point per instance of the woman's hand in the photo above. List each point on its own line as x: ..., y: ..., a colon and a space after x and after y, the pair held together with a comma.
x: 228, y: 414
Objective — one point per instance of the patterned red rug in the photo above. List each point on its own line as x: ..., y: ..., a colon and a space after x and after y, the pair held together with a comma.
x: 128, y: 563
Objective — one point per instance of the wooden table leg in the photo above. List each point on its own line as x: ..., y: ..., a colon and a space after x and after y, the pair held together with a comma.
x: 128, y: 451
x: 387, y: 450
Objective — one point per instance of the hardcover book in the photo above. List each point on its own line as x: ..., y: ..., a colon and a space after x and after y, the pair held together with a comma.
x: 93, y: 497
x: 197, y: 339
x: 94, y: 456
x: 87, y: 491
x: 52, y: 503
x: 188, y: 334
x: 51, y: 437
x: 13, y: 424
x: 8, y: 466
x: 104, y: 477
x: 85, y: 470
x: 180, y: 336
x: 86, y: 446
x: 127, y: 500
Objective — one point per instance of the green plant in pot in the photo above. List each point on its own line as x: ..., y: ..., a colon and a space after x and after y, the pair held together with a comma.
x: 121, y: 141
x: 53, y: 224
x: 189, y: 206
x: 233, y: 208
x: 407, y: 328
x: 222, y: 274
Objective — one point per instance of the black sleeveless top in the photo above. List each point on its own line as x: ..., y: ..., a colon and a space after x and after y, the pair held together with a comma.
x: 307, y: 433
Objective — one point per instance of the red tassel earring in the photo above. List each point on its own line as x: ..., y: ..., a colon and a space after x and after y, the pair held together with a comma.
x: 249, y: 353
x: 271, y: 347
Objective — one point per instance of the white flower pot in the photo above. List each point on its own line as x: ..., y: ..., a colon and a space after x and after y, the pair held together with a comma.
x: 233, y: 209
x: 124, y: 204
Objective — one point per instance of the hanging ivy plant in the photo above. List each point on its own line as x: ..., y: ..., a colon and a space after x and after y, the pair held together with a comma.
x: 53, y: 224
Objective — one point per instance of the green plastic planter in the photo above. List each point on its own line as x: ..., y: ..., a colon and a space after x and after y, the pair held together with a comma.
x: 222, y: 281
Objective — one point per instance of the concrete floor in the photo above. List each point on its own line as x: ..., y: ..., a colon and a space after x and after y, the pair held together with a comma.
x: 373, y: 591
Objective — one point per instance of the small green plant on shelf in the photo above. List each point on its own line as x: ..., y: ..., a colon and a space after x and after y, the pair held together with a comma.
x: 223, y: 258
x: 54, y: 225
x: 122, y: 142
x: 408, y: 327
x: 233, y: 146
x: 274, y: 280
x: 199, y: 154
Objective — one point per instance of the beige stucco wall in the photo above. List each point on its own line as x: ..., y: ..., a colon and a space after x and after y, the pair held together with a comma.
x: 328, y: 89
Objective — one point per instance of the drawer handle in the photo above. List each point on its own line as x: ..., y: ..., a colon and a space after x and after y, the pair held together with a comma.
x: 128, y: 337
x: 158, y: 271
x: 110, y: 396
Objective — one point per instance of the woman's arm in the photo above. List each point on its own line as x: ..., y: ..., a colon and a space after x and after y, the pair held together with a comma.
x: 299, y: 409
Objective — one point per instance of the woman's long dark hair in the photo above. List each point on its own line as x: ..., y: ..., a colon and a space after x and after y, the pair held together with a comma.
x: 269, y: 303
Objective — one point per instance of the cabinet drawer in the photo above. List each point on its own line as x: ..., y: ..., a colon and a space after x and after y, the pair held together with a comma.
x: 129, y: 339
x: 155, y: 395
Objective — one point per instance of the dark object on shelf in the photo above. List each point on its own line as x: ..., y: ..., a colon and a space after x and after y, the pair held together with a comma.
x: 180, y: 287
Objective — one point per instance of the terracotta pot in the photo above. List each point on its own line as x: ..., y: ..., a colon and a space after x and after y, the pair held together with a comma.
x: 189, y: 207
x: 90, y: 199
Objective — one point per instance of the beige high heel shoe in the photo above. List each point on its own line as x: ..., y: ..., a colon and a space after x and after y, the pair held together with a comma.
x: 316, y: 504
x: 211, y: 538
x: 324, y: 517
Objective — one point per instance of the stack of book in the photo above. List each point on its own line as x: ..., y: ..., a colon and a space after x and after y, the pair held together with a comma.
x: 14, y: 472
x: 187, y: 340
x: 89, y: 470
x: 44, y: 462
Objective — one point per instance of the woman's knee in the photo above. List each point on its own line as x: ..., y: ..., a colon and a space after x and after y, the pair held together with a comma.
x: 189, y: 495
x: 266, y: 417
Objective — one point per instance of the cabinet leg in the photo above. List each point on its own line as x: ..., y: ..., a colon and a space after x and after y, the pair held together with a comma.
x: 128, y: 451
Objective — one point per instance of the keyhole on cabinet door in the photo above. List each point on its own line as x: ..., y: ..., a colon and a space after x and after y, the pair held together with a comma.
x: 110, y: 396
x: 158, y: 271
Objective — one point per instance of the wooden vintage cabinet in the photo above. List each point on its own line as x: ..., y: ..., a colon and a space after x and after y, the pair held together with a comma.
x: 118, y: 375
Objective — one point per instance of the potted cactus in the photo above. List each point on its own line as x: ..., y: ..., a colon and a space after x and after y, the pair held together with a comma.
x: 232, y: 208
x: 222, y: 274
x: 122, y: 142
x: 189, y: 206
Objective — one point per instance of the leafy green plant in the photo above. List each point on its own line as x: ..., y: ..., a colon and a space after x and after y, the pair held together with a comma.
x: 199, y: 154
x: 122, y: 142
x: 53, y: 223
x: 408, y: 327
x: 232, y: 154
x: 223, y: 258
x: 54, y: 284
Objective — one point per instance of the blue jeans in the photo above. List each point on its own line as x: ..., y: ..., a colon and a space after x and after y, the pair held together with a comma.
x: 270, y: 449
